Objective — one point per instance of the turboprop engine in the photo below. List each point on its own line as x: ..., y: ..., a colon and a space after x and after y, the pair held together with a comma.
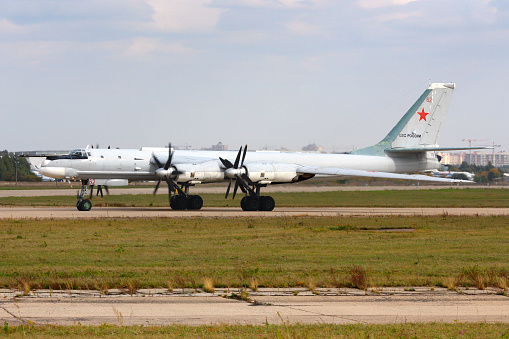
x: 194, y: 173
x: 203, y: 172
x: 270, y: 172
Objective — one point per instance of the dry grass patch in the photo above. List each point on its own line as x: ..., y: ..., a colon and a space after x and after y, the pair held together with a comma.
x: 208, y: 285
x: 359, y: 277
x: 253, y: 284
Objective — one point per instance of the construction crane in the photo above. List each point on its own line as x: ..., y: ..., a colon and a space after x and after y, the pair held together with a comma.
x: 470, y: 145
x: 493, y: 162
x: 470, y: 141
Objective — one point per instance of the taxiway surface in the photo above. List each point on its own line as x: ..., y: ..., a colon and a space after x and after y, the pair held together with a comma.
x: 153, y: 212
x: 205, y: 309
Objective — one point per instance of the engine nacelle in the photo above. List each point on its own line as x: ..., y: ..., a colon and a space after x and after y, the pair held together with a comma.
x: 271, y: 172
x: 203, y: 172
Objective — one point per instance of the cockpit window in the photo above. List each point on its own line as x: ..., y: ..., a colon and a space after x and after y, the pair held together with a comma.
x: 76, y: 154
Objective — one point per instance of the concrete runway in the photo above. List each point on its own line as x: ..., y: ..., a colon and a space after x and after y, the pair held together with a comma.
x: 206, y: 189
x: 153, y: 212
x: 204, y: 308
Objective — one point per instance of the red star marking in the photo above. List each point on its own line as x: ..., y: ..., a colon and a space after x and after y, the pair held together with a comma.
x: 422, y: 115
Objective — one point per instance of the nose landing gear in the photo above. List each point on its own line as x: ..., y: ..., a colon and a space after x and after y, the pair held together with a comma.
x: 84, y: 204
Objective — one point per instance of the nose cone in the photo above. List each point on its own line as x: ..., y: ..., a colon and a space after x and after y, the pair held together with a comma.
x: 53, y: 172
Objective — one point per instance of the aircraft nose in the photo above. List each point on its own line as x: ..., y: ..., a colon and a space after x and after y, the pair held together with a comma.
x: 52, y: 172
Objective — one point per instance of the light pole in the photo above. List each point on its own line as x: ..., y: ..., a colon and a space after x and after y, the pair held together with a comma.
x: 16, y: 164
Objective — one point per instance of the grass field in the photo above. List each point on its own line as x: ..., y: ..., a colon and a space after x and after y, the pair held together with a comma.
x: 409, y: 330
x: 477, y: 197
x: 268, y: 252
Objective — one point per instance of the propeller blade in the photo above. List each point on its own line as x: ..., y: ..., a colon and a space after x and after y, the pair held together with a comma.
x: 235, y: 189
x: 242, y: 184
x: 243, y: 156
x: 228, y: 189
x: 243, y: 189
x: 236, y: 164
x: 157, y: 186
x: 170, y: 185
x: 227, y: 163
x: 170, y: 155
x: 245, y: 177
x: 158, y: 163
x: 107, y: 190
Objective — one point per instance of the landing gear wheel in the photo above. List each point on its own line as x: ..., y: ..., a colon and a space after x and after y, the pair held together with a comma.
x: 194, y: 202
x: 178, y: 202
x: 251, y: 204
x: 267, y: 203
x: 243, y: 204
x: 84, y: 205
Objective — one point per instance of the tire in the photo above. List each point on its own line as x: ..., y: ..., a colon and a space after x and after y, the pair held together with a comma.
x: 267, y: 203
x: 194, y: 202
x: 179, y: 202
x: 86, y: 205
x: 243, y: 204
x: 252, y: 204
x: 78, y: 205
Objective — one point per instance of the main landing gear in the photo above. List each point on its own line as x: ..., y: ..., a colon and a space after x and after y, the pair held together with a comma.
x: 180, y: 199
x: 183, y: 200
x: 252, y: 201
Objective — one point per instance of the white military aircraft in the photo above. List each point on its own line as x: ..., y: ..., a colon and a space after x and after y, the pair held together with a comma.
x: 409, y: 147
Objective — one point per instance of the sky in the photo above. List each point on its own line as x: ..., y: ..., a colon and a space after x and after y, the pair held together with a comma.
x: 267, y: 73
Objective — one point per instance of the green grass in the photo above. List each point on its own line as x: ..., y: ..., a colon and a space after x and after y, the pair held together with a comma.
x: 478, y: 197
x: 408, y: 330
x: 277, y: 252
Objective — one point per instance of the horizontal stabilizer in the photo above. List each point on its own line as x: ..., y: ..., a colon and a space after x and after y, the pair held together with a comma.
x: 432, y: 149
x: 373, y: 174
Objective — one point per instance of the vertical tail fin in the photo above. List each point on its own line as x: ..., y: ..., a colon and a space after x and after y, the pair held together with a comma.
x: 422, y: 123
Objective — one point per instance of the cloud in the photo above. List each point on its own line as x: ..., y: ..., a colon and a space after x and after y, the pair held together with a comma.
x: 371, y: 4
x: 141, y: 47
x: 10, y: 28
x: 299, y: 27
x: 398, y: 16
x: 181, y: 16
x: 272, y: 4
x: 484, y: 12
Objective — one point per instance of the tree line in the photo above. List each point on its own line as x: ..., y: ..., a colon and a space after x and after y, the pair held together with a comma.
x: 487, y: 173
x: 8, y: 168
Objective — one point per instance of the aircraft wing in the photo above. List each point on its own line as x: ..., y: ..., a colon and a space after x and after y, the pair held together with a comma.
x: 372, y: 174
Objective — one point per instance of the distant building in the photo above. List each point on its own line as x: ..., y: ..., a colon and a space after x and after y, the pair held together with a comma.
x: 219, y: 147
x: 499, y: 159
x: 312, y: 148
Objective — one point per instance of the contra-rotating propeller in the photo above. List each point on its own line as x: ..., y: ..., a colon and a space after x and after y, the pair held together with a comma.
x: 236, y: 171
x: 166, y: 172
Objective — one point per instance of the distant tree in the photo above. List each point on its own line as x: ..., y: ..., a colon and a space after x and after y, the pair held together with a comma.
x: 465, y: 167
x: 8, y: 168
x: 493, y: 174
